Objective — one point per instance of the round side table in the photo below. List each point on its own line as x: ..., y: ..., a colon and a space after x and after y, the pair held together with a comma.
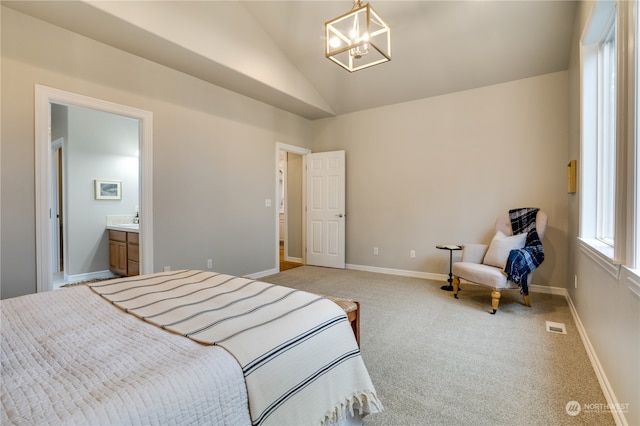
x: 451, y: 248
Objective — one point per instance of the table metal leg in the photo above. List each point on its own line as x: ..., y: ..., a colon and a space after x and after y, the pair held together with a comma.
x: 450, y: 280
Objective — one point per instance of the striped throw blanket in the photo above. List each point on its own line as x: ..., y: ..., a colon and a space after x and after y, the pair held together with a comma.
x: 297, y: 351
x: 521, y: 262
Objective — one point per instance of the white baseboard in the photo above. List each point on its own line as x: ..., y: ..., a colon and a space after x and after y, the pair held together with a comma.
x: 444, y: 277
x: 545, y: 289
x: 261, y: 274
x: 609, y: 395
x: 88, y: 276
x: 559, y: 291
x: 400, y: 272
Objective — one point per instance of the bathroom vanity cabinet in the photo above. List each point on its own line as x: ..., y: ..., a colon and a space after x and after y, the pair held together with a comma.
x: 124, y: 253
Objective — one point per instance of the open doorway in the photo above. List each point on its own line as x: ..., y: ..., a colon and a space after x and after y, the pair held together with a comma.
x: 290, y: 226
x: 89, y: 144
x: 46, y: 210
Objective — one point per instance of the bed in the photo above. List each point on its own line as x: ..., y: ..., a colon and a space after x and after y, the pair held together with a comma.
x: 180, y: 347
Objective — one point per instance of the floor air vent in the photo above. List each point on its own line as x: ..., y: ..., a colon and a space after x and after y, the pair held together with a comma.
x: 556, y: 327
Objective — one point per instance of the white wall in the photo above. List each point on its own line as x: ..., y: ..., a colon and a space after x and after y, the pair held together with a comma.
x: 608, y: 308
x: 433, y: 171
x: 213, y: 152
x: 440, y: 170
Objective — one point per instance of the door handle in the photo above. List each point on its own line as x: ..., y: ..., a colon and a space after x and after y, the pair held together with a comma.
x: 340, y: 215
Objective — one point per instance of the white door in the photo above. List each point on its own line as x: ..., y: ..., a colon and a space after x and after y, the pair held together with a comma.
x: 326, y: 209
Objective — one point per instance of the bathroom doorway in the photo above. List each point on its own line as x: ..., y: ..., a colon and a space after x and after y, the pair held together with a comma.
x: 46, y: 210
x: 89, y: 145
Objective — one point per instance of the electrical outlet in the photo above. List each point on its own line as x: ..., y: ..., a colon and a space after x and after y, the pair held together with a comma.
x: 412, y: 254
x: 166, y: 269
x: 209, y: 263
x: 375, y: 251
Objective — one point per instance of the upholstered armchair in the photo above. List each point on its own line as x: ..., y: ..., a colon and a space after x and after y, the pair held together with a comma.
x: 485, y: 264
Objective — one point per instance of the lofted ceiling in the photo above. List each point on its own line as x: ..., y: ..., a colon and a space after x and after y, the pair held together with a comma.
x: 273, y: 51
x: 438, y: 47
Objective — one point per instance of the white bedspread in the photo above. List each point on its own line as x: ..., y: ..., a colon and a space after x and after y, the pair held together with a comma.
x: 70, y: 358
x: 298, y: 354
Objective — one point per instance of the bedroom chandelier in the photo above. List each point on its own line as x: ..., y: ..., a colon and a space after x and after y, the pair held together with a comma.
x: 358, y: 39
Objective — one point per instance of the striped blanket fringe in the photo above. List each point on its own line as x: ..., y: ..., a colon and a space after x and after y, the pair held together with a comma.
x: 363, y: 402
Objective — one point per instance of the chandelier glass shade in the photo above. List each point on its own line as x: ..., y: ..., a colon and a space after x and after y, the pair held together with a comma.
x: 358, y: 39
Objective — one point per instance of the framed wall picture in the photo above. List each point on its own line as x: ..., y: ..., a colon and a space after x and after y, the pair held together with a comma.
x: 108, y: 189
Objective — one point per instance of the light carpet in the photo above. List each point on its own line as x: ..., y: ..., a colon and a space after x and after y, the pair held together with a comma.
x: 435, y: 360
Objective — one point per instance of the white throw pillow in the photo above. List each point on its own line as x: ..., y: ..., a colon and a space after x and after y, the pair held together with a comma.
x: 500, y: 247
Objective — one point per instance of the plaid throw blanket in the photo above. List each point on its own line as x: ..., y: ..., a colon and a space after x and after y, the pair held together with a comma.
x: 522, y: 262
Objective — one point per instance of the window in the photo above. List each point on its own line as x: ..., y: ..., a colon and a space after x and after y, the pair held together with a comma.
x: 599, y: 127
x: 606, y: 137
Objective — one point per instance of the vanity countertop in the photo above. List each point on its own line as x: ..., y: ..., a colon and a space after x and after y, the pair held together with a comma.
x: 125, y: 227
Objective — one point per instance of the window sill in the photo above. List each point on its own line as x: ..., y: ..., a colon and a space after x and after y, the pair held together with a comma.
x: 602, y: 254
x: 633, y: 279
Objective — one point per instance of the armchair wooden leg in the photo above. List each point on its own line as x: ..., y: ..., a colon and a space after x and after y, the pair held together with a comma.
x: 456, y: 286
x: 495, y: 300
x: 527, y: 303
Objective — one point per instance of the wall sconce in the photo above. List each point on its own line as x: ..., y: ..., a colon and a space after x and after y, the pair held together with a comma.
x: 358, y: 39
